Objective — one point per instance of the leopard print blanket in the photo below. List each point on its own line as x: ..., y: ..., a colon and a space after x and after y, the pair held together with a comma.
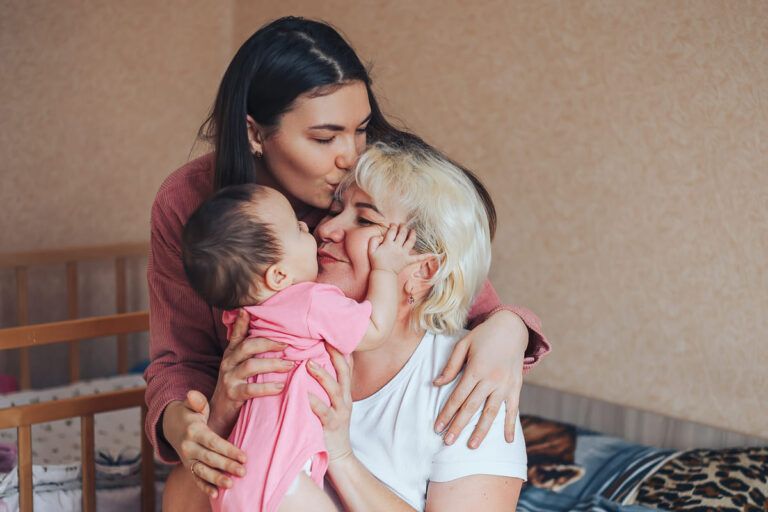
x: 704, y: 480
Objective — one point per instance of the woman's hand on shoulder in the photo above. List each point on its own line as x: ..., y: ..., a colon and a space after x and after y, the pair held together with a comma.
x: 494, y: 352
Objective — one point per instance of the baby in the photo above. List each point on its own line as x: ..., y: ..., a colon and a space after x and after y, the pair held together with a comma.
x: 245, y: 248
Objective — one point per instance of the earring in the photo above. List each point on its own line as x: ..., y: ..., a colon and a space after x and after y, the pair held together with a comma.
x: 258, y: 154
x: 411, y: 300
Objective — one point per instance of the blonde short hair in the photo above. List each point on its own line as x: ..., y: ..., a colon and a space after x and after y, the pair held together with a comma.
x: 449, y: 217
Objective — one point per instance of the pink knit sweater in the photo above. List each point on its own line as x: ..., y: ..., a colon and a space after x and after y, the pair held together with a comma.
x: 187, y: 338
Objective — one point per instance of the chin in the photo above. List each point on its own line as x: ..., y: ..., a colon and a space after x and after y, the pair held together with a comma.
x: 322, y: 202
x: 343, y: 279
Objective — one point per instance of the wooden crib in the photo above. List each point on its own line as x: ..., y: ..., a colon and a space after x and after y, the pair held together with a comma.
x: 72, y: 331
x: 70, y: 259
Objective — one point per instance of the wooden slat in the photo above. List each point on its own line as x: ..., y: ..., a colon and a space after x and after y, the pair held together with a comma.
x: 121, y: 303
x: 72, y: 313
x: 22, y: 318
x: 147, y: 467
x: 70, y: 330
x: 87, y: 463
x: 25, y: 468
x: 71, y: 407
x: 87, y: 253
x: 25, y: 372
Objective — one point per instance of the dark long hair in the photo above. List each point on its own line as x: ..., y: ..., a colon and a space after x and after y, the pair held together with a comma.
x: 282, y: 60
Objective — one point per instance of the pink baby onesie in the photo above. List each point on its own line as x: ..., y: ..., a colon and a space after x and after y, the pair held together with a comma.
x: 280, y: 433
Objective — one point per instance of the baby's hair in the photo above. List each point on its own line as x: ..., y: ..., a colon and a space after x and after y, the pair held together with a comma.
x: 225, y: 244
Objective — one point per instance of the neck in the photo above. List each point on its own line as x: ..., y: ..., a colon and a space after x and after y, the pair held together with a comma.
x: 374, y: 368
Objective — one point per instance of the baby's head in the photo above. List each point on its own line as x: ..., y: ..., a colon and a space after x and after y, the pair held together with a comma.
x: 245, y: 244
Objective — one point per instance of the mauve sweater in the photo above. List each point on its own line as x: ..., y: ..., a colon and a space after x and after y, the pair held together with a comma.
x: 187, y: 337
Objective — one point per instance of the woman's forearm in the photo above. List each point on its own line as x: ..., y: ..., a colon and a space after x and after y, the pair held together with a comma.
x: 172, y: 424
x: 359, y: 490
x: 168, y: 383
x: 487, y: 303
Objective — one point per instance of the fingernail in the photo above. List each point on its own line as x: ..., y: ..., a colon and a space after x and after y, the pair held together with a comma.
x: 241, y: 472
x: 439, y: 427
x: 312, y: 365
x: 213, y: 494
x: 449, y: 438
x: 473, y: 442
x: 279, y: 385
x: 228, y: 483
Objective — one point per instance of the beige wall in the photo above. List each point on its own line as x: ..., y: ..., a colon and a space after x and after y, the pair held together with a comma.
x: 624, y: 143
x: 100, y: 101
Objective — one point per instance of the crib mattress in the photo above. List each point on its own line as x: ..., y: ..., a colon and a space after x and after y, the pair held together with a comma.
x: 56, y: 471
x: 123, y: 499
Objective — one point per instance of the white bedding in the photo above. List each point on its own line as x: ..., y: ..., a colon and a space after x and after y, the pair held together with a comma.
x: 56, y: 452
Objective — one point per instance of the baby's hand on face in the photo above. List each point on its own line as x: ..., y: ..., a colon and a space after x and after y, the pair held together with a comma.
x: 393, y: 250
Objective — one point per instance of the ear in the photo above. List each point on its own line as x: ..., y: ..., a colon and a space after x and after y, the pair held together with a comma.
x: 419, y: 278
x: 277, y: 277
x: 255, y: 137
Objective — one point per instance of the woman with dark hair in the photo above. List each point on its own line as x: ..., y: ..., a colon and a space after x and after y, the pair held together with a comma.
x: 294, y: 110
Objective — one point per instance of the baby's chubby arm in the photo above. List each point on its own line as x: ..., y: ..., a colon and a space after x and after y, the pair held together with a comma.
x: 389, y: 255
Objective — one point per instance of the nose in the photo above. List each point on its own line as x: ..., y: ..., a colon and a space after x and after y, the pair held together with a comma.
x: 330, y: 230
x: 347, y: 155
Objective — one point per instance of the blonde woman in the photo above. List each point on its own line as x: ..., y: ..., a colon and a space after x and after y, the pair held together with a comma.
x: 383, y: 452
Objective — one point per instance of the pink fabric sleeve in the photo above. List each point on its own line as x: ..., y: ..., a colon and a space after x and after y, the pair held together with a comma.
x: 185, y: 351
x: 339, y: 320
x: 488, y: 302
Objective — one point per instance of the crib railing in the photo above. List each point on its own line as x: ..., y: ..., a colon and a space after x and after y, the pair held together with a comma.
x: 85, y: 407
x: 70, y: 258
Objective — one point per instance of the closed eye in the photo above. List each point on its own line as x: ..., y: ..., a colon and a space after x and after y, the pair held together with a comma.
x: 365, y: 222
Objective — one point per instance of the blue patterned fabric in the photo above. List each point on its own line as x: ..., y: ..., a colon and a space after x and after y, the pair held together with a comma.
x: 607, y: 470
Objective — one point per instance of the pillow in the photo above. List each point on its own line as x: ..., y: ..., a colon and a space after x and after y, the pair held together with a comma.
x: 570, y: 468
x: 551, y: 448
x: 728, y: 479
